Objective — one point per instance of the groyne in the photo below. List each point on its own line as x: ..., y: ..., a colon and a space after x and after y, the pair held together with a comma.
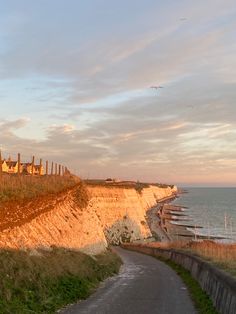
x: 220, y: 286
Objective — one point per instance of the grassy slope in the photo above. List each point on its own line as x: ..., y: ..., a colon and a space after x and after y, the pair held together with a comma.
x: 14, y: 188
x: 201, y: 300
x: 45, y: 281
x: 24, y: 198
x: 138, y: 186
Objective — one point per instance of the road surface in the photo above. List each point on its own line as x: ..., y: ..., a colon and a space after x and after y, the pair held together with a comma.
x: 143, y: 286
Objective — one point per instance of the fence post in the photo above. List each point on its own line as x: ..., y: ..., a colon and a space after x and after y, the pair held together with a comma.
x: 0, y: 164
x: 18, y: 161
x: 47, y: 168
x: 32, y: 166
x: 59, y: 173
x: 40, y: 166
x: 52, y: 168
x: 63, y: 170
x: 56, y: 169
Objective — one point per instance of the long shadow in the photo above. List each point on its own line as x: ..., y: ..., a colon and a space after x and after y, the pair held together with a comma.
x: 126, y: 230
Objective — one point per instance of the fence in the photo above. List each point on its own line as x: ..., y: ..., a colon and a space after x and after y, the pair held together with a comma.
x: 30, y: 167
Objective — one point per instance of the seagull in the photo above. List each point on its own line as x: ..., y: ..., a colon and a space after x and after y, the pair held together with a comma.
x: 156, y: 87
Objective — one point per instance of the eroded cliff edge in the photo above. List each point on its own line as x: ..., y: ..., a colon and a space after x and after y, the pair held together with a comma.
x: 113, y: 214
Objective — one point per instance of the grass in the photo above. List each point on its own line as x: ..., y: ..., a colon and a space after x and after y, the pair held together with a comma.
x: 221, y: 255
x: 201, y: 300
x: 43, y: 281
x: 138, y: 186
x: 24, y: 198
x: 14, y: 188
x: 163, y: 185
x: 81, y: 195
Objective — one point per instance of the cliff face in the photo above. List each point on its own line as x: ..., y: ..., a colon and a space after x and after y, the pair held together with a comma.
x: 122, y: 212
x: 112, y: 215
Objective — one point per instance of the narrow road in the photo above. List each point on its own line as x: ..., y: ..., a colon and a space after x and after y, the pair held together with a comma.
x: 144, y: 285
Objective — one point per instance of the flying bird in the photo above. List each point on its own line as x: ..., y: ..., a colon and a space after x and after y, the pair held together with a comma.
x: 156, y: 87
x: 183, y: 19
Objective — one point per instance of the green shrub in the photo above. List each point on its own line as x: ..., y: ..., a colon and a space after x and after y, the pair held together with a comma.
x: 48, y: 280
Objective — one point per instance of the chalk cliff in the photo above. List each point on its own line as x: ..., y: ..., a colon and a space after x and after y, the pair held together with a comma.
x: 113, y: 214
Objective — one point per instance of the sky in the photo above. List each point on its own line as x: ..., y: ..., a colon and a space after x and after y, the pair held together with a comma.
x: 75, y: 80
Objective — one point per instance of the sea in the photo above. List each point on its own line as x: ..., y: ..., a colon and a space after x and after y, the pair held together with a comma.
x: 212, y: 208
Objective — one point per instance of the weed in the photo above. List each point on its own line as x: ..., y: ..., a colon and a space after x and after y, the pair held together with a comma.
x: 201, y: 300
x: 50, y: 279
x: 17, y: 188
x: 219, y: 254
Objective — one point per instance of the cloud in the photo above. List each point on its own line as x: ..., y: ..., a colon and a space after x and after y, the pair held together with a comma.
x: 156, y: 152
x: 90, y: 76
x: 6, y: 126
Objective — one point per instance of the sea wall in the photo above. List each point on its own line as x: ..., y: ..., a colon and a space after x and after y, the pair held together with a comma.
x: 220, y: 286
x: 113, y: 215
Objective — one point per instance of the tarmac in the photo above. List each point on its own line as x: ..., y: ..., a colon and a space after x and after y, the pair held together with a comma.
x: 144, y: 285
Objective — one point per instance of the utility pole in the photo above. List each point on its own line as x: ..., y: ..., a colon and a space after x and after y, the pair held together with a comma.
x: 52, y: 168
x: 0, y: 164
x: 40, y: 166
x: 32, y: 166
x: 18, y: 161
x: 46, y: 167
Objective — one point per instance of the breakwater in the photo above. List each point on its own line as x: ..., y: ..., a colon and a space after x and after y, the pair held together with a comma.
x: 213, y: 209
x: 220, y: 286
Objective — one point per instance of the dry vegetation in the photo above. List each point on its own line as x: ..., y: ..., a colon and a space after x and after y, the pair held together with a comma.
x: 138, y: 186
x: 222, y: 255
x: 15, y: 188
x: 24, y: 198
x: 44, y: 280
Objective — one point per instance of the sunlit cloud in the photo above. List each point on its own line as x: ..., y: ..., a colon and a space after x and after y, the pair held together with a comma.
x: 76, y: 87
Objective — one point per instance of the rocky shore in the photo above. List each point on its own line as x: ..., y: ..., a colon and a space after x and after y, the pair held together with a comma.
x: 171, y: 222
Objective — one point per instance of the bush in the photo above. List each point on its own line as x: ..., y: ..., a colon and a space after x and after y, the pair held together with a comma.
x: 43, y: 281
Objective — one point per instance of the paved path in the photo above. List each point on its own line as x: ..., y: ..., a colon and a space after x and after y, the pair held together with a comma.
x: 144, y: 285
x: 153, y: 222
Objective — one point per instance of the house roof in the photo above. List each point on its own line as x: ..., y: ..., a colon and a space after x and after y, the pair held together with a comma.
x: 11, y: 163
x: 26, y: 164
x: 37, y: 166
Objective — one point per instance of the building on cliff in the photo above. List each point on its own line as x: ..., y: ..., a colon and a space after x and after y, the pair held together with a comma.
x: 11, y: 166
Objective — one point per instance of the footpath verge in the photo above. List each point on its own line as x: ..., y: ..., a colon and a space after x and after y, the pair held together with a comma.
x: 45, y: 280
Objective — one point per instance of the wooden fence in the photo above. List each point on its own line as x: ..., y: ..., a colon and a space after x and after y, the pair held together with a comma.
x: 31, y: 168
